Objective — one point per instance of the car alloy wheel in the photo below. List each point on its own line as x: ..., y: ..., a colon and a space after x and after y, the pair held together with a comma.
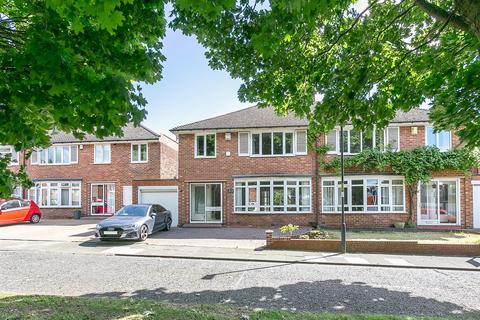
x: 143, y: 233
x: 168, y: 225
x: 35, y: 218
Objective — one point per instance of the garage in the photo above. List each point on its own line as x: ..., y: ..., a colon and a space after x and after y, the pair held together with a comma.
x: 166, y: 196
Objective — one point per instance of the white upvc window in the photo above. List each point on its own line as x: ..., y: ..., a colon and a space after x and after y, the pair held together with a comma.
x: 272, y: 143
x: 56, y: 194
x: 55, y: 155
x: 439, y: 202
x: 9, y: 151
x: 102, y: 153
x: 139, y: 152
x: 364, y: 194
x: 205, y: 145
x: 273, y: 195
x: 355, y: 141
x: 441, y: 139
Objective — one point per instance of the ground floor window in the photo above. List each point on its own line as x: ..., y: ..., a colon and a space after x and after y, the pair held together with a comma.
x: 439, y: 202
x: 364, y: 194
x: 206, y: 202
x: 273, y: 195
x: 56, y: 194
x: 102, y: 198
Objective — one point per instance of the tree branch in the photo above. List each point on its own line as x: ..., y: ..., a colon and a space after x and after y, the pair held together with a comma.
x: 443, y: 15
x: 396, y: 19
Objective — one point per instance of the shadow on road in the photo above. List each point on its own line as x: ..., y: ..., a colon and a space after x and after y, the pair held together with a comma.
x: 318, y: 296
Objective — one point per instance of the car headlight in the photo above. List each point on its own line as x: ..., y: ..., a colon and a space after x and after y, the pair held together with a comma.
x: 130, y: 226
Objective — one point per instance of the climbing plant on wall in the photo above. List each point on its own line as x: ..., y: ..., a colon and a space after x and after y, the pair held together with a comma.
x: 416, y: 165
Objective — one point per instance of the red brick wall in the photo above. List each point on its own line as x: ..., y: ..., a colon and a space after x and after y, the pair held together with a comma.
x: 120, y: 171
x: 223, y: 168
x: 168, y: 158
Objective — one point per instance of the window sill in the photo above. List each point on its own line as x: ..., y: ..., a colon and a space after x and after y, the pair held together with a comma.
x: 210, y: 157
x: 53, y: 164
x: 102, y: 162
x: 264, y: 213
x: 364, y: 212
x: 139, y: 161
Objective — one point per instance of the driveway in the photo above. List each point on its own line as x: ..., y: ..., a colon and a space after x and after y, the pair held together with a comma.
x: 83, y: 231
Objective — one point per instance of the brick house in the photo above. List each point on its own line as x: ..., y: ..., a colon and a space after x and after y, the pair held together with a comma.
x: 96, y: 176
x: 254, y: 168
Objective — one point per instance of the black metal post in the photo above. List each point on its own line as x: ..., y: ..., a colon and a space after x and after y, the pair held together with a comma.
x: 342, y: 193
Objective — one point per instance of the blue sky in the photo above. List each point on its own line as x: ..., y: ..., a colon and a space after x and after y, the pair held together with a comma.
x: 190, y: 90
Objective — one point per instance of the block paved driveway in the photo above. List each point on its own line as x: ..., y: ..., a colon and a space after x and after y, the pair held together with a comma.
x: 83, y: 230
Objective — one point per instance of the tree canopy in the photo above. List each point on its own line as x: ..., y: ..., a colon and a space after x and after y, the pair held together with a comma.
x: 365, y: 60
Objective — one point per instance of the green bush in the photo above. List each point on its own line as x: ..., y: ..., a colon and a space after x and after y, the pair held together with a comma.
x: 304, y: 236
x: 319, y: 234
x: 289, y: 228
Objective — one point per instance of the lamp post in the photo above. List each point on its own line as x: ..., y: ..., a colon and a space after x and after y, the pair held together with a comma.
x: 342, y: 193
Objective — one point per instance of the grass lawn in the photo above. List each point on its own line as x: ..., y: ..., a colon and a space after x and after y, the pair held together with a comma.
x: 422, y: 236
x: 70, y: 308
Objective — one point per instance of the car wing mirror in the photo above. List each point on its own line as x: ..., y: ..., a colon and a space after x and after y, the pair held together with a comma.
x: 153, y: 215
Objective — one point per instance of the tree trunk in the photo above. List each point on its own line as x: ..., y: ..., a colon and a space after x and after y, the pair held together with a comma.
x: 410, y: 204
x: 470, y: 11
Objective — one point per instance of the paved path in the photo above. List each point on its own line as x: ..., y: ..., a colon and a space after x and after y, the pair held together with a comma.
x: 255, y: 285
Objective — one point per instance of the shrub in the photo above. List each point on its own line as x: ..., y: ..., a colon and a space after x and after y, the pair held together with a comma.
x: 304, y: 236
x: 319, y: 234
x: 289, y: 228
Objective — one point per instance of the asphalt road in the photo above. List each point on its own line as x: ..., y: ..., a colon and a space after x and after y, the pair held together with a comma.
x: 256, y: 285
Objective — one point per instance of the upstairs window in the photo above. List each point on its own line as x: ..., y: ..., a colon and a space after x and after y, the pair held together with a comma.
x: 9, y: 151
x: 205, y: 145
x: 139, y: 152
x: 441, y: 139
x: 102, y: 153
x: 355, y: 141
x: 273, y: 143
x: 55, y: 155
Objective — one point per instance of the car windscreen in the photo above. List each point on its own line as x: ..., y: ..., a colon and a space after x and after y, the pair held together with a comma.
x: 133, y: 211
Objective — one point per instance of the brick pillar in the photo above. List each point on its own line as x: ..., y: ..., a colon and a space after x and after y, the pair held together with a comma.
x: 269, y: 237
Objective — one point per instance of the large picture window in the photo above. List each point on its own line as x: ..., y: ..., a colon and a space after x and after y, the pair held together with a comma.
x: 55, y: 155
x: 355, y: 141
x: 205, y: 145
x: 372, y: 194
x: 53, y: 194
x: 273, y: 196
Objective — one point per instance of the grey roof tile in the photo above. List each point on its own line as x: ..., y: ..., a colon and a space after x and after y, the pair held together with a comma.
x: 254, y: 117
x: 130, y: 133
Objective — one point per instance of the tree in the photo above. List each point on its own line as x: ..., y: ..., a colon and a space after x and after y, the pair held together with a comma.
x: 364, y: 60
x: 75, y: 66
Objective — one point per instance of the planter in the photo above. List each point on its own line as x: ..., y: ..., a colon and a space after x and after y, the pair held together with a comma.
x: 77, y: 214
x: 399, y: 225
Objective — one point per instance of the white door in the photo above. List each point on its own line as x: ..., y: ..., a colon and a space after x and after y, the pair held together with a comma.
x: 476, y: 206
x: 164, y: 196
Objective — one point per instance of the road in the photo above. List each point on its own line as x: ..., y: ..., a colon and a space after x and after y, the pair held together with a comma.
x: 295, y: 287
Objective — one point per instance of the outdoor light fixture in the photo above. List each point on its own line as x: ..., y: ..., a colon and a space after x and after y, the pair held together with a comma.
x: 414, y: 131
x: 228, y: 136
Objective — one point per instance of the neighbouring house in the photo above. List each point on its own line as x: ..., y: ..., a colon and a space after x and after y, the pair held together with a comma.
x: 99, y: 176
x: 254, y: 168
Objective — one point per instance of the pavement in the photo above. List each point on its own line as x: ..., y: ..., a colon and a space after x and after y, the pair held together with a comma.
x: 221, y: 244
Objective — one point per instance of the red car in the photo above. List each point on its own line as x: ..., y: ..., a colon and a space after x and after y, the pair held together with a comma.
x: 17, y: 210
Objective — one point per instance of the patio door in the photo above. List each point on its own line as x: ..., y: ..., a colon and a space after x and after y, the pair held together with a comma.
x: 206, y: 203
x: 439, y: 204
x: 102, y: 198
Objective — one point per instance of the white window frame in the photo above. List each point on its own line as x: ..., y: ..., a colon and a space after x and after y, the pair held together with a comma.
x: 348, y: 130
x: 348, y: 205
x: 205, y: 134
x: 285, y: 186
x: 458, y: 203
x: 37, y: 189
x: 139, y: 146
x: 103, y: 150
x: 45, y: 152
x: 205, y: 201
x: 437, y: 136
x: 271, y: 132
x: 295, y: 138
x: 13, y: 161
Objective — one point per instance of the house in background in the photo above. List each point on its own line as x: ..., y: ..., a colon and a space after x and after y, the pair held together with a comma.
x: 99, y: 176
x: 254, y: 168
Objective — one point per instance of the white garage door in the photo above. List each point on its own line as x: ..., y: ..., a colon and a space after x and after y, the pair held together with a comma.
x: 165, y: 196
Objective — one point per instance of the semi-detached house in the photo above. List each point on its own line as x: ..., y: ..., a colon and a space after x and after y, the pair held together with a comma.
x: 99, y: 176
x: 254, y: 168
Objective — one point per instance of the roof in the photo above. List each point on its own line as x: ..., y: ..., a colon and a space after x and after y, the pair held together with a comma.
x: 130, y: 133
x: 254, y: 117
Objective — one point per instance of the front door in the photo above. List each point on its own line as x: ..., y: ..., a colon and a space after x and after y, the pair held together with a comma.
x: 476, y: 206
x: 206, y: 203
x: 102, y: 198
x: 439, y: 203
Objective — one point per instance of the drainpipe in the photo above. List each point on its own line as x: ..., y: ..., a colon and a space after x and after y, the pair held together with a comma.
x: 317, y: 188
x: 342, y: 192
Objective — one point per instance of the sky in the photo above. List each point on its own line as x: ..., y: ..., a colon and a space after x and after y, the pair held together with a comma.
x: 190, y: 90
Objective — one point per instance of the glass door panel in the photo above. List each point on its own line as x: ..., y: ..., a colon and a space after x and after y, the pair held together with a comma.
x: 102, y: 198
x: 428, y: 203
x: 447, y: 201
x: 197, y: 212
x: 206, y: 202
